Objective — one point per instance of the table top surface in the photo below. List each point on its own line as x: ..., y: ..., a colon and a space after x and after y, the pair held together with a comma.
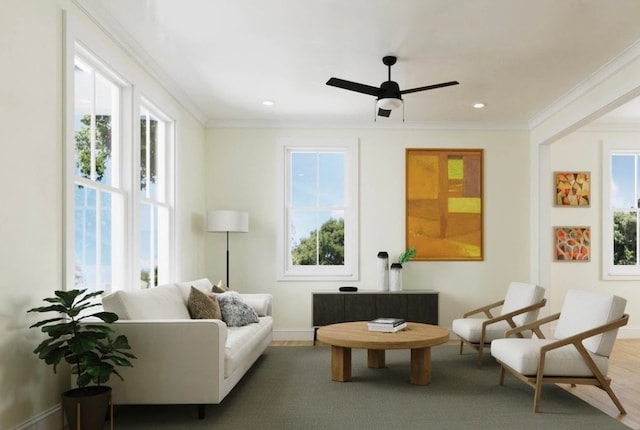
x: 357, y: 335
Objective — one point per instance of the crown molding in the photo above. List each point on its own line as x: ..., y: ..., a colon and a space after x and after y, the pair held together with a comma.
x: 112, y: 28
x: 598, y: 77
x: 341, y: 125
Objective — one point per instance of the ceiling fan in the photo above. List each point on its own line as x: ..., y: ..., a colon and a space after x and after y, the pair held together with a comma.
x: 388, y: 96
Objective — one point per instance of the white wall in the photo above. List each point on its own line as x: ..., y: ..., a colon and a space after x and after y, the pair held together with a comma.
x: 31, y: 220
x: 582, y: 151
x: 240, y: 175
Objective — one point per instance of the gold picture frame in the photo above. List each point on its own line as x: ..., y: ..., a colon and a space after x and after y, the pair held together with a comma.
x: 572, y: 243
x: 444, y: 198
x: 573, y: 189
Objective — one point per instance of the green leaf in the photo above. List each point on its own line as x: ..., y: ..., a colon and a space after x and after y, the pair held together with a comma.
x: 53, y: 308
x: 59, y: 330
x: 43, y: 322
x: 407, y: 255
x: 107, y: 317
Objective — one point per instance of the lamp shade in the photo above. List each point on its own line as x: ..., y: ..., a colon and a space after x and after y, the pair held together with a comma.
x: 389, y: 103
x: 232, y: 221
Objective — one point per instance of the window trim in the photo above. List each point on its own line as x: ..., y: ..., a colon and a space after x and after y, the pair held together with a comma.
x: 609, y: 271
x: 350, y: 270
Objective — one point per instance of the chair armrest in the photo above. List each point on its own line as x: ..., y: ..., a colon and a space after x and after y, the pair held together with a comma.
x: 577, y: 339
x: 534, y: 326
x: 509, y: 316
x: 486, y: 309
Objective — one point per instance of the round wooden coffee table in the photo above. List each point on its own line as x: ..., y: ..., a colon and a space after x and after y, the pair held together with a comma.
x: 419, y: 338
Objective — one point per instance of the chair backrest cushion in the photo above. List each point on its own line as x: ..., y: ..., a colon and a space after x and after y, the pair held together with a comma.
x: 520, y: 295
x: 584, y: 310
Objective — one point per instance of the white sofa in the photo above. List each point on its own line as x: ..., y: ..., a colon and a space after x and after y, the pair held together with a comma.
x: 182, y: 360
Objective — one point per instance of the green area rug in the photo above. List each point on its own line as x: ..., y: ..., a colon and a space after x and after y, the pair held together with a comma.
x: 291, y: 388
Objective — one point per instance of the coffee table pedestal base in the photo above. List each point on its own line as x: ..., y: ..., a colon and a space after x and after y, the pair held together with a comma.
x: 341, y: 363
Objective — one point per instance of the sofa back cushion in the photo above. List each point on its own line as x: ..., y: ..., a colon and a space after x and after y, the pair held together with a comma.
x: 162, y: 302
x: 584, y: 310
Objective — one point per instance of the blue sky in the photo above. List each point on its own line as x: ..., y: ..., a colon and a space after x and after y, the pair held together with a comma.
x: 623, y: 194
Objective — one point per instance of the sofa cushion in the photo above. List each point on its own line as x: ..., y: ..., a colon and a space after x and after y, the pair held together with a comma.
x: 602, y: 309
x: 261, y: 303
x: 163, y: 302
x: 522, y: 356
x: 520, y: 295
x: 471, y: 328
x: 235, y: 312
x: 220, y: 287
x: 242, y: 340
x: 203, y: 305
x: 202, y: 284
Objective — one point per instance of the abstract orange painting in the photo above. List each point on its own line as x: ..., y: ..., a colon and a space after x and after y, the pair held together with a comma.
x: 444, y: 214
x: 573, y: 189
x: 572, y: 243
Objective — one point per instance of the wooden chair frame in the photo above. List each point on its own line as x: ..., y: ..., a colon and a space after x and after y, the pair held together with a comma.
x: 508, y: 317
x: 536, y: 381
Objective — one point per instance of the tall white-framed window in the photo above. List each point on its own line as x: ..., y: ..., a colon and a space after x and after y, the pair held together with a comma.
x: 99, y: 190
x: 318, y: 235
x: 155, y: 196
x: 621, y: 210
x: 120, y: 181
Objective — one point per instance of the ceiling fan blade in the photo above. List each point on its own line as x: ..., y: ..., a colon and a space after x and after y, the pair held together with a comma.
x: 430, y: 87
x: 384, y: 112
x: 354, y: 86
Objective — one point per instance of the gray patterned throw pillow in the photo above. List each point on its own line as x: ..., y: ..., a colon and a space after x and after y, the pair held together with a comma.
x: 235, y: 312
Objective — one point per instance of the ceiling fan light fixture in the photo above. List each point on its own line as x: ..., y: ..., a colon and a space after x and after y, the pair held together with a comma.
x: 389, y: 103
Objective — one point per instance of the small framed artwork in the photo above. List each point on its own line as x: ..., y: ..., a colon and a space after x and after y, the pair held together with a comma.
x: 572, y: 243
x: 573, y: 189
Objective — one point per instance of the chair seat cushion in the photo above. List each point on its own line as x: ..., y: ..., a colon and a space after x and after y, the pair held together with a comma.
x: 470, y: 329
x: 522, y: 356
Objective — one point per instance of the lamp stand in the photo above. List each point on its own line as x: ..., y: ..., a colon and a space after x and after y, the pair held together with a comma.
x: 227, y: 284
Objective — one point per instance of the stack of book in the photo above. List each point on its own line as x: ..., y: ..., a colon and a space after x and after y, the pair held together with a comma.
x: 389, y: 325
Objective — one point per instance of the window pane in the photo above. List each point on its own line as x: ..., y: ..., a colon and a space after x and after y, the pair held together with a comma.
x: 83, y: 106
x: 625, y: 233
x: 146, y: 244
x: 622, y: 181
x: 331, y: 178
x: 148, y: 155
x: 317, y: 238
x: 85, y: 238
x: 106, y: 231
x: 105, y: 102
x: 304, y: 174
x: 96, y: 99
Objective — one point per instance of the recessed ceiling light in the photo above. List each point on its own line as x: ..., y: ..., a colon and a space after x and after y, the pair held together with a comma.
x: 268, y: 102
x: 479, y: 105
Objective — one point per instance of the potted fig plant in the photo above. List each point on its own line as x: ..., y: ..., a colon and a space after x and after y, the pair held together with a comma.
x: 90, y: 348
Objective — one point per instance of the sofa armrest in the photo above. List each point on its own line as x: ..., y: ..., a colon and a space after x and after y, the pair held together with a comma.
x: 261, y: 302
x: 178, y: 361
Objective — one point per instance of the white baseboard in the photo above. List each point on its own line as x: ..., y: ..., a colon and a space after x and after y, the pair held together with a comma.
x: 302, y: 334
x: 629, y: 333
x: 46, y: 420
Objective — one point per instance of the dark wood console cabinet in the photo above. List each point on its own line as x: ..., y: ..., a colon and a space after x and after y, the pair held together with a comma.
x: 336, y: 307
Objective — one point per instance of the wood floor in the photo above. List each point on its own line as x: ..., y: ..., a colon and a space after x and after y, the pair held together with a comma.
x: 624, y: 371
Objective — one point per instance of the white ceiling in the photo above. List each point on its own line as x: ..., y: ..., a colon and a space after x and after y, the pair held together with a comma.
x: 520, y: 57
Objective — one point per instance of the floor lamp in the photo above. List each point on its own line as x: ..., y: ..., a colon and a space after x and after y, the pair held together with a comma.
x: 225, y: 221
